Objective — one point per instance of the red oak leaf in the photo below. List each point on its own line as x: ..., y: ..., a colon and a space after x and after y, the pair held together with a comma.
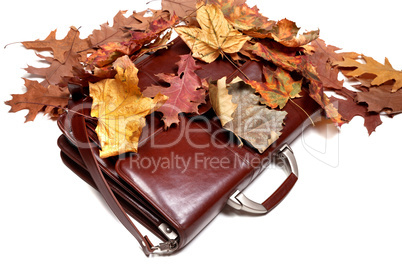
x: 185, y: 92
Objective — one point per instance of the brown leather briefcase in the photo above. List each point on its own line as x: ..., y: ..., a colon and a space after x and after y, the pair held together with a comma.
x: 204, y: 167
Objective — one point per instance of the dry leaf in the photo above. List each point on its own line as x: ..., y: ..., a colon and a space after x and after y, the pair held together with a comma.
x: 287, y: 59
x: 122, y: 25
x: 316, y: 92
x: 221, y: 101
x: 182, y: 8
x: 381, y: 98
x: 215, y: 37
x: 323, y: 58
x: 39, y: 98
x: 277, y: 89
x: 349, y: 108
x: 383, y: 72
x: 54, y: 74
x: 243, y: 17
x: 70, y: 43
x: 121, y: 109
x: 109, y: 52
x: 252, y: 121
x: 270, y: 51
x: 185, y: 92
x: 285, y: 32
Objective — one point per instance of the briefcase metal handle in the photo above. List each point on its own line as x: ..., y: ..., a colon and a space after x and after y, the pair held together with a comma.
x: 240, y: 202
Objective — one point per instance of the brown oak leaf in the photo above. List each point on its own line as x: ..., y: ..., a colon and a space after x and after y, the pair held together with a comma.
x: 349, y: 108
x: 53, y: 75
x: 383, y: 72
x: 182, y: 8
x: 71, y: 43
x: 323, y: 58
x: 109, y: 52
x: 122, y: 25
x: 186, y: 91
x: 316, y: 92
x: 38, y: 98
x: 381, y: 98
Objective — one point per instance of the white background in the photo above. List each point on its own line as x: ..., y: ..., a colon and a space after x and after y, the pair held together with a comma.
x: 345, y: 210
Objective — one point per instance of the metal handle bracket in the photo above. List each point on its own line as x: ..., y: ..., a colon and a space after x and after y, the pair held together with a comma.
x: 240, y: 202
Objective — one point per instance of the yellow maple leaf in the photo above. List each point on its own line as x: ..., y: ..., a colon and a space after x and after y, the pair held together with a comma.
x: 215, y: 37
x: 121, y: 109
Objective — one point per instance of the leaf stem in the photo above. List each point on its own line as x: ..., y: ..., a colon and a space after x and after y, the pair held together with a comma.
x: 309, y: 117
x: 235, y: 65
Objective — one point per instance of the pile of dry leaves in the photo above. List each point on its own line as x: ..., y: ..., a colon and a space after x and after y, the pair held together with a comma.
x: 212, y: 29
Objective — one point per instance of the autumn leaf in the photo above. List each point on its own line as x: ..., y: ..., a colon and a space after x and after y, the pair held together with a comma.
x: 277, y: 89
x: 53, y: 75
x: 251, y: 121
x: 39, y: 98
x: 122, y: 25
x: 323, y: 58
x: 66, y: 57
x: 287, y: 59
x: 381, y: 98
x: 154, y: 32
x: 383, y: 72
x: 185, y: 92
x: 316, y: 92
x: 71, y: 43
x: 270, y: 51
x: 109, y: 52
x: 241, y: 16
x: 221, y: 101
x: 121, y: 109
x: 182, y: 8
x: 215, y: 37
x: 285, y: 32
x: 349, y: 108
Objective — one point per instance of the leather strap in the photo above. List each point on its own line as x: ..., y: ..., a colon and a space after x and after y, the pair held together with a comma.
x: 84, y: 147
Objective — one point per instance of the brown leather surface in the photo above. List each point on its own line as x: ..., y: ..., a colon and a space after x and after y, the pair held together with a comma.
x: 188, y: 199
